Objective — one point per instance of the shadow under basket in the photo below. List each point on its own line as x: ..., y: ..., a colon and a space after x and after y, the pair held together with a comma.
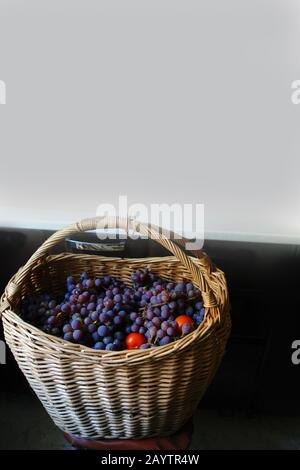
x: 132, y: 394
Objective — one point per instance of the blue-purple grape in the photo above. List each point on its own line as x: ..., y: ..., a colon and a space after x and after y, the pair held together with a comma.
x: 68, y: 336
x: 107, y: 340
x: 165, y: 340
x: 186, y: 329
x: 145, y: 346
x: 103, y: 330
x: 77, y: 335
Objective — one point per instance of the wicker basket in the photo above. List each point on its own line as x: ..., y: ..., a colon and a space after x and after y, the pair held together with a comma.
x: 126, y: 394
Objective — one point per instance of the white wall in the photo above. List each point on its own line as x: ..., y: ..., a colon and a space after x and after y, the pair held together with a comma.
x: 162, y: 100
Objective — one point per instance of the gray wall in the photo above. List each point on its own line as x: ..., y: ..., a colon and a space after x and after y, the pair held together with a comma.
x: 164, y: 101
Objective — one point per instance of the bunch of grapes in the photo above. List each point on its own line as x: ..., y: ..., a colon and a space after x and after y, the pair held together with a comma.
x: 106, y: 314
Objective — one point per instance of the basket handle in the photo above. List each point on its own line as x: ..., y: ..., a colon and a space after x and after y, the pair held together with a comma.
x: 100, y: 222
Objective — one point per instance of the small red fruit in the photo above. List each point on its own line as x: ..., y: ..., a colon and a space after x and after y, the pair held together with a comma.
x: 134, y: 340
x: 181, y: 320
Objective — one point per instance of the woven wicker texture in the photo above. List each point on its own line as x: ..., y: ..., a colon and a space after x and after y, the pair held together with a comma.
x: 125, y: 394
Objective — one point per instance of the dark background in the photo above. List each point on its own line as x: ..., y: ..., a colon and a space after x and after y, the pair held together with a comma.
x: 256, y: 374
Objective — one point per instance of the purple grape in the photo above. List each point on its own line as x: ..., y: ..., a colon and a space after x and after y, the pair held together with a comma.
x: 122, y: 314
x: 68, y: 336
x: 51, y: 320
x: 110, y: 314
x: 107, y: 340
x: 171, y: 331
x: 149, y: 314
x: 189, y: 311
x: 179, y: 288
x: 109, y: 303
x: 73, y: 308
x: 148, y: 295
x: 77, y: 335
x: 117, y: 320
x: 135, y: 328
x: 104, y: 317
x: 165, y: 340
x: 145, y: 346
x: 99, y: 345
x: 85, y: 296
x: 71, y: 287
x: 139, y: 321
x: 103, y: 330
x: 117, y: 298
x: 89, y: 283
x: 198, y: 317
x: 156, y: 321
x: 95, y: 336
x: 92, y: 328
x: 189, y: 286
x: 186, y: 328
x: 172, y: 305
x: 76, y: 324
x: 153, y: 331
x: 161, y: 334
x: 93, y: 316
x: 83, y: 312
x: 67, y: 328
x: 118, y: 343
x: 165, y: 314
x: 117, y: 308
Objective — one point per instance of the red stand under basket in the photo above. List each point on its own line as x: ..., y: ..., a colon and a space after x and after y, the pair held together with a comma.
x: 179, y: 441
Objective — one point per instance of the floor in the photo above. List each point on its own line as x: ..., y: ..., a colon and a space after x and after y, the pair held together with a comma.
x: 24, y: 424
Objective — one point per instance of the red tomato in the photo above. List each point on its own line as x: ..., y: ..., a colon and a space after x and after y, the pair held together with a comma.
x: 181, y: 320
x: 134, y: 340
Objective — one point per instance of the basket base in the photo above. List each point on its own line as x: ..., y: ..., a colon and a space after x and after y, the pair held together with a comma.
x: 178, y: 441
